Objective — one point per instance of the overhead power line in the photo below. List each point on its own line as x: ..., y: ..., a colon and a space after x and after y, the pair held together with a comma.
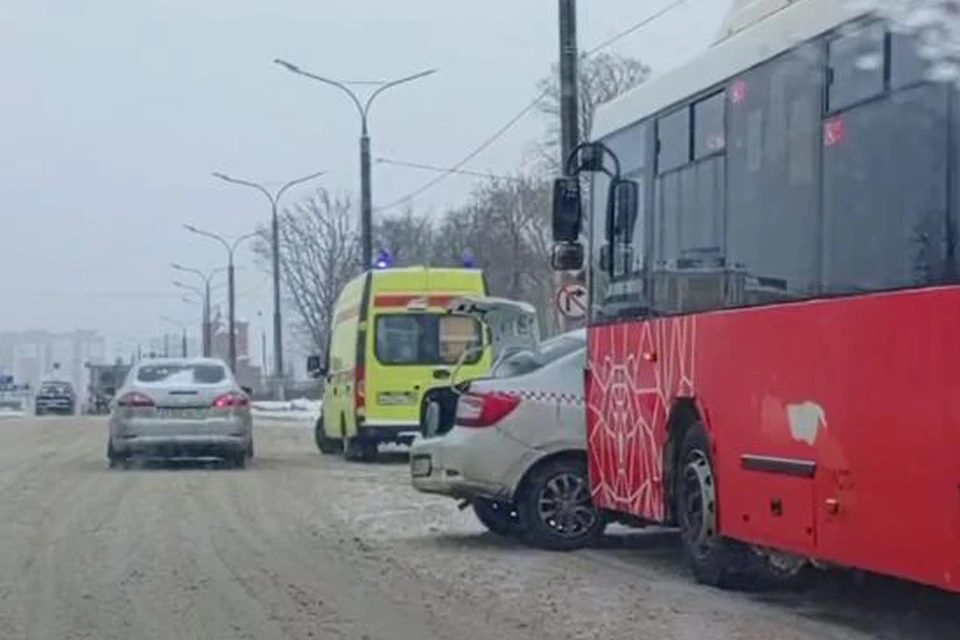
x: 429, y: 167
x: 456, y: 167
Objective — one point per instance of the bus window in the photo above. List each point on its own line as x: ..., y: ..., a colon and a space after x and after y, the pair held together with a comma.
x: 856, y: 62
x: 673, y: 140
x: 709, y: 129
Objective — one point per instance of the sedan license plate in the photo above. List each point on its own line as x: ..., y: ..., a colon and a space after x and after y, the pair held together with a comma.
x: 182, y: 414
x: 421, y: 466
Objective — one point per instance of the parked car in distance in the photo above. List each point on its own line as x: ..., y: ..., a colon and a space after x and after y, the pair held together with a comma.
x: 180, y: 408
x: 54, y: 396
x: 516, y: 451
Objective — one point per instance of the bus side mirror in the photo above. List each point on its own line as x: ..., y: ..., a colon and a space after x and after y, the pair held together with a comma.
x: 315, y: 367
x: 567, y: 211
x: 567, y: 256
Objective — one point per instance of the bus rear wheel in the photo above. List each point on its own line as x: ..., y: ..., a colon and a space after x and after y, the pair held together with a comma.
x: 714, y: 560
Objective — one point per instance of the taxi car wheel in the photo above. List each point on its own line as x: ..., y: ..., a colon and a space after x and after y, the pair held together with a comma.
x: 555, y: 506
x: 114, y: 459
x: 499, y: 517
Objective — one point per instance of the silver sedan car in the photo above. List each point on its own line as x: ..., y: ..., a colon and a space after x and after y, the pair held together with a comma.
x: 180, y: 408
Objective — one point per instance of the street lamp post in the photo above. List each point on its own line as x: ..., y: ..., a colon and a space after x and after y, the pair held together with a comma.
x: 205, y: 337
x: 274, y: 199
x: 231, y: 248
x: 363, y: 109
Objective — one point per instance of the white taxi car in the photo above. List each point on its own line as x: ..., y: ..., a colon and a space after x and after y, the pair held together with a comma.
x: 517, y: 448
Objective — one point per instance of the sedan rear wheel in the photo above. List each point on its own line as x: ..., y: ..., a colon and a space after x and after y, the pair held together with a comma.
x: 556, y: 509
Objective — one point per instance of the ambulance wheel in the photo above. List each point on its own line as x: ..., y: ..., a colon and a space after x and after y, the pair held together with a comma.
x: 713, y: 559
x: 360, y: 450
x: 327, y: 445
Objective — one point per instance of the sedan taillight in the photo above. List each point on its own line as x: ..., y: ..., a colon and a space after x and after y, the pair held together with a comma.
x: 135, y: 399
x: 484, y: 409
x: 230, y: 401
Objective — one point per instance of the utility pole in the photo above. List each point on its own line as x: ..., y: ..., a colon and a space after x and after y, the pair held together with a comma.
x: 183, y: 343
x: 569, y: 112
x: 569, y: 107
x: 363, y: 109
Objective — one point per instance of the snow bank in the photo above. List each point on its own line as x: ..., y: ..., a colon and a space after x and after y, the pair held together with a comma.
x: 299, y: 411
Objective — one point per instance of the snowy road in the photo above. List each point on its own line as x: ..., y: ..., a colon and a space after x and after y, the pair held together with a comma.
x: 299, y: 546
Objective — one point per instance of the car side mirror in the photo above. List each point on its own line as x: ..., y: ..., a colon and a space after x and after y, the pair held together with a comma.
x: 567, y: 256
x: 247, y: 390
x: 567, y: 210
x: 316, y: 368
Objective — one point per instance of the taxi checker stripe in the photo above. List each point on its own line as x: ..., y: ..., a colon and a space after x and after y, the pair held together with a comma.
x: 549, y: 396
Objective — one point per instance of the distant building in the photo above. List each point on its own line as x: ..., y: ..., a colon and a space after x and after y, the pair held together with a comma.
x: 31, y: 356
x: 248, y: 374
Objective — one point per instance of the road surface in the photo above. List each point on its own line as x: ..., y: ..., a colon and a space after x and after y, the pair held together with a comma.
x: 298, y: 547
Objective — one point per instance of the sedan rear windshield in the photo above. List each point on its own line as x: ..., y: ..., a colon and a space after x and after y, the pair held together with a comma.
x: 524, y: 362
x: 59, y: 388
x: 205, y: 373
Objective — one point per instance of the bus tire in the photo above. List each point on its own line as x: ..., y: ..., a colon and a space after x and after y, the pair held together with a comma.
x: 713, y: 559
x: 327, y: 445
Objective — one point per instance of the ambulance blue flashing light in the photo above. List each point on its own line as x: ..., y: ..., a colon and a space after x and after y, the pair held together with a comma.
x: 384, y: 260
x: 468, y: 261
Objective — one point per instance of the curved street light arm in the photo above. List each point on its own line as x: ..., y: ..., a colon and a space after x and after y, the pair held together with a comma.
x: 393, y: 83
x: 245, y: 183
x: 213, y: 273
x: 208, y: 234
x: 188, y: 287
x: 246, y: 236
x: 294, y: 183
x: 197, y: 272
x: 333, y: 83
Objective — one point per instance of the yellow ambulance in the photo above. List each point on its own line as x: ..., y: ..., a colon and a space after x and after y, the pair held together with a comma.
x: 392, y: 340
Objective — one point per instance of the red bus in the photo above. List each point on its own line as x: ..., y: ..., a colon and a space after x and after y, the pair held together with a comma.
x: 774, y: 330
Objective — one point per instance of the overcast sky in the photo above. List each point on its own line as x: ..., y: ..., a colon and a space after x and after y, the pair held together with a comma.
x: 115, y: 112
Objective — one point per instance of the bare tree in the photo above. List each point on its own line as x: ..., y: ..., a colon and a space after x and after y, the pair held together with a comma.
x: 408, y: 237
x: 319, y: 254
x: 602, y: 77
x: 506, y: 226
